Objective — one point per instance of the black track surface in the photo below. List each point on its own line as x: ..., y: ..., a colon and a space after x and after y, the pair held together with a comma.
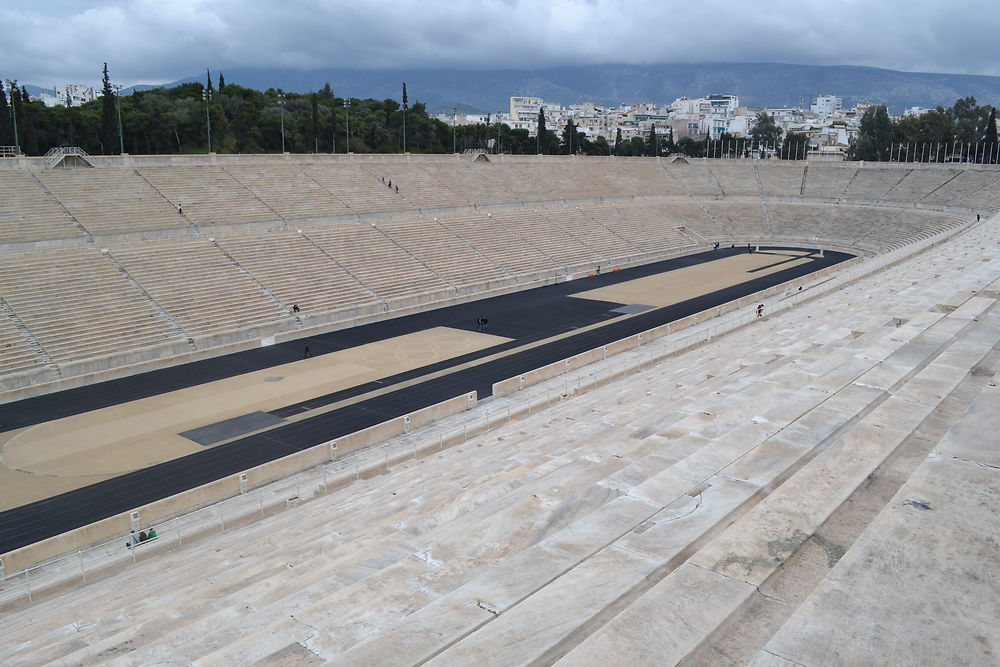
x: 525, y: 317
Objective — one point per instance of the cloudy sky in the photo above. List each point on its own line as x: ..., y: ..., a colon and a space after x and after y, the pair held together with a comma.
x: 49, y: 42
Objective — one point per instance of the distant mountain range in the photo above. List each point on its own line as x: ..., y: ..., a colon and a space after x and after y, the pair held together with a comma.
x: 757, y: 84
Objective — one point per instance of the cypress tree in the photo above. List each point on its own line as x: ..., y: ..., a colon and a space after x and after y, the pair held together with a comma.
x: 540, y: 137
x: 405, y: 106
x: 109, y: 126
x: 6, y: 131
x: 618, y: 139
x: 651, y: 141
x: 222, y: 82
x: 208, y: 81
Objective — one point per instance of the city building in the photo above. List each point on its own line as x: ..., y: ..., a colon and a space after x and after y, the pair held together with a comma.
x: 826, y: 105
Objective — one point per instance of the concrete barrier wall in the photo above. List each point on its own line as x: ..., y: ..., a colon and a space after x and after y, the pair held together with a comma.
x: 162, y: 510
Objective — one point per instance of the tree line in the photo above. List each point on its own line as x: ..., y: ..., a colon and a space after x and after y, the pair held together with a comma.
x: 966, y: 132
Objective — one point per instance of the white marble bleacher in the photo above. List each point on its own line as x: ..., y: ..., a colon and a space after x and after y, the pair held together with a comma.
x: 645, y: 177
x: 444, y: 253
x: 540, y: 230
x: 872, y: 183
x: 635, y: 521
x: 526, y: 181
x: 504, y: 248
x: 967, y: 190
x: 696, y: 178
x: 742, y: 219
x: 583, y: 225
x: 208, y: 195
x: 828, y: 182
x: 799, y: 222
x: 738, y: 178
x: 288, y: 190
x: 29, y: 213
x: 852, y: 224
x: 693, y: 216
x: 199, y: 287
x: 112, y: 201
x: 580, y: 178
x: 416, y: 186
x: 470, y: 181
x: 918, y: 183
x: 352, y: 184
x: 379, y: 263
x: 781, y: 179
x: 977, y: 192
x: 297, y: 272
x: 643, y: 226
x: 16, y: 354
x: 105, y: 315
x: 908, y: 226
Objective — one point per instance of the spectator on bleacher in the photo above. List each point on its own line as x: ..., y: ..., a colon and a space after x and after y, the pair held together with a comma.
x: 152, y: 534
x: 397, y: 189
x: 179, y: 212
x: 295, y: 307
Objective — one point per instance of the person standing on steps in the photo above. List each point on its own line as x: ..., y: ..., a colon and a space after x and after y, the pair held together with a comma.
x: 179, y: 211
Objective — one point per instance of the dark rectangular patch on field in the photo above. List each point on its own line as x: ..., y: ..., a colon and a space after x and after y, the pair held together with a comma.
x: 780, y: 262
x: 632, y: 308
x: 230, y: 428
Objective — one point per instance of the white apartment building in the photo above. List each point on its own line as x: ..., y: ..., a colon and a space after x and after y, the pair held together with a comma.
x: 827, y: 105
x: 526, y: 108
x: 70, y: 95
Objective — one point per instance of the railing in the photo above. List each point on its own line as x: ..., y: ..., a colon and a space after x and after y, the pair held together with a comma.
x: 9, y: 151
x: 56, y: 155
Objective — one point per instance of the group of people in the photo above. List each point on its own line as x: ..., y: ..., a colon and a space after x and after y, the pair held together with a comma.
x: 482, y: 323
x: 390, y: 184
x: 142, y: 536
x: 760, y: 309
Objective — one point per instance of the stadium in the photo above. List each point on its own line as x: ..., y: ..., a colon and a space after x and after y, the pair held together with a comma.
x: 526, y: 410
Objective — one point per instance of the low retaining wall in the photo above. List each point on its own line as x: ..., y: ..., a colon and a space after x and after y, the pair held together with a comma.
x: 162, y: 510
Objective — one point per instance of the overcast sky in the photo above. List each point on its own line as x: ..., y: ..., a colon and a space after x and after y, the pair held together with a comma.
x: 53, y: 42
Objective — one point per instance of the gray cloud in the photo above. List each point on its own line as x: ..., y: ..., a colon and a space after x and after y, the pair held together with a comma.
x: 152, y: 41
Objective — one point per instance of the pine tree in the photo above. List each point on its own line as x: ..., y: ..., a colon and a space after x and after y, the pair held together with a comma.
x: 540, y: 136
x: 222, y: 82
x: 6, y: 131
x: 109, y: 127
